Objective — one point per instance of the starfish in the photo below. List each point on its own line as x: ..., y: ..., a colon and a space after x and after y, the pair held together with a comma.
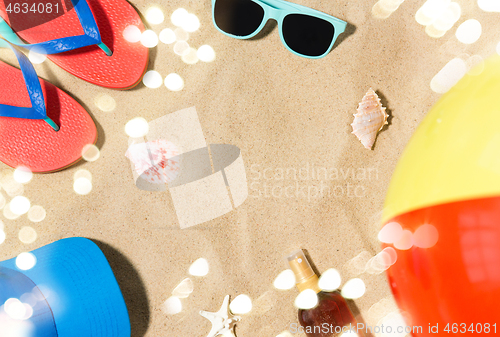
x: 223, y: 321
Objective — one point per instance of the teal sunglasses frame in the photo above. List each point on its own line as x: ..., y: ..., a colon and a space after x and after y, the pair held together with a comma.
x: 278, y: 10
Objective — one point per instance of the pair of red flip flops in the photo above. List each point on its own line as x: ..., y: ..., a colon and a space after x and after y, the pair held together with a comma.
x: 85, y: 39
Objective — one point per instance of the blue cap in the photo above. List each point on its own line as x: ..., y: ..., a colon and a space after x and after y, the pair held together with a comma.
x: 76, y: 292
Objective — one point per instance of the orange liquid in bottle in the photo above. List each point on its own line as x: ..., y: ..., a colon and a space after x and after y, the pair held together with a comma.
x: 331, y: 317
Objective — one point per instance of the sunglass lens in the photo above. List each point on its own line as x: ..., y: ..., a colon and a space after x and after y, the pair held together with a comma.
x: 307, y: 35
x: 238, y: 17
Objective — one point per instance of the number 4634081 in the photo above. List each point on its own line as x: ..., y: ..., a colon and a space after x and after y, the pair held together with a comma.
x: 473, y: 328
x: 38, y: 8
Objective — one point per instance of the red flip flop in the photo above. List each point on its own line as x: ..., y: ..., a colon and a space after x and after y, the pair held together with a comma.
x: 30, y: 117
x: 123, y: 70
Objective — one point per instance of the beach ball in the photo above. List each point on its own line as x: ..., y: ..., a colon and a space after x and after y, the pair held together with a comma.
x: 442, y: 213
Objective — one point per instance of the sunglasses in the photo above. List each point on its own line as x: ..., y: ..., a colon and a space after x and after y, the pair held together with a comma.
x: 304, y: 31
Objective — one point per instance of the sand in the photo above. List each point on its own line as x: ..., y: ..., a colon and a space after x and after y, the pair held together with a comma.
x: 286, y: 114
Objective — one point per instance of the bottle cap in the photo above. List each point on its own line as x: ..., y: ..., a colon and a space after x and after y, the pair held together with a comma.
x: 305, y: 276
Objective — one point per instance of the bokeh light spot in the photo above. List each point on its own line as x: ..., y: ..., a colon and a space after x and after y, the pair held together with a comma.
x: 8, y: 214
x: 206, y: 53
x: 42, y: 292
x: 383, y: 259
x: 152, y: 79
x: 155, y: 16
x: 83, y: 173
x: 27, y: 235
x: 132, y: 34
x: 469, y: 31
x: 149, y: 39
x: 28, y: 298
x: 455, y: 11
x: 191, y: 56
x: 426, y: 236
x: 307, y: 299
x: 191, y: 23
x: 174, y: 82
x: 475, y: 64
x: 37, y: 55
x: 448, y: 76
x: 489, y: 5
x: 179, y: 16
x: 350, y: 333
x: 357, y: 265
x: 393, y: 255
x: 354, y: 288
x: 10, y: 185
x: 82, y: 186
x: 29, y: 311
x: 242, y: 304
x: 20, y: 205
x: 105, y: 103
x: 181, y: 34
x: 36, y: 213
x: 22, y: 174
x: 379, y: 12
x: 2, y: 201
x: 422, y: 18
x: 2, y: 236
x: 390, y: 233
x: 90, y: 152
x: 380, y: 309
x: 181, y: 48
x: 285, y: 280
x: 379, y: 263
x: 25, y: 261
x: 434, y: 32
x: 14, y: 308
x: 137, y: 127
x: 167, y: 36
x: 384, y: 8
x: 330, y: 280
x: 199, y: 267
x: 405, y: 242
x: 434, y: 8
x: 394, y: 320
x: 448, y: 18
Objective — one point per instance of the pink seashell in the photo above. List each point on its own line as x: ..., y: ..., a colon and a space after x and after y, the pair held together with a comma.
x: 155, y: 161
x: 369, y: 120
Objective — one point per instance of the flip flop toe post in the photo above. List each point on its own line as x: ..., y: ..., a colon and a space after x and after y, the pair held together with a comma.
x: 41, y: 127
x: 87, y: 41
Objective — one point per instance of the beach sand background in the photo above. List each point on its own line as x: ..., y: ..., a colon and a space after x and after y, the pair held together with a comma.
x: 285, y: 113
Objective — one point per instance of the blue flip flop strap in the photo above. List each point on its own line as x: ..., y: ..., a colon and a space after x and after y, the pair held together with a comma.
x: 91, y: 34
x: 37, y: 109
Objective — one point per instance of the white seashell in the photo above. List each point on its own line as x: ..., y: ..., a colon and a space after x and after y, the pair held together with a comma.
x: 183, y: 289
x: 370, y: 119
x: 242, y: 304
x: 199, y: 267
x: 172, y: 306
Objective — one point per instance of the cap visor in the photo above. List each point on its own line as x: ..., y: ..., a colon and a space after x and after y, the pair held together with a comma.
x: 78, y: 283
